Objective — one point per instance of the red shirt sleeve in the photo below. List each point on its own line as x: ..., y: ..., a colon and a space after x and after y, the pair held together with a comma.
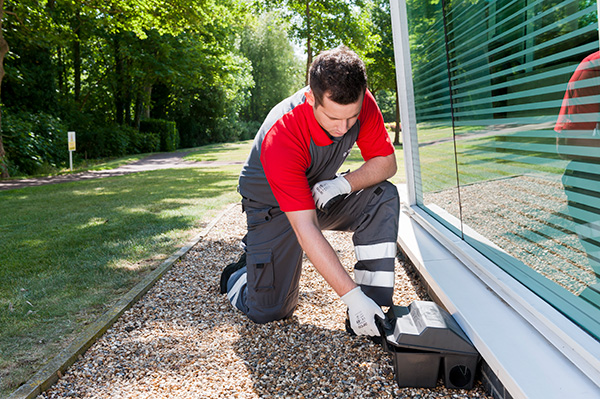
x: 373, y: 139
x: 579, y: 106
x: 285, y: 158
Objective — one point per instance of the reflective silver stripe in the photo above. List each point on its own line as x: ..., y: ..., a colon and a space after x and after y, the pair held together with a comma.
x: 237, y: 287
x: 375, y: 251
x: 374, y: 279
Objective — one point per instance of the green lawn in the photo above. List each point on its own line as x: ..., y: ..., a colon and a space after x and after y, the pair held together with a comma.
x: 223, y: 152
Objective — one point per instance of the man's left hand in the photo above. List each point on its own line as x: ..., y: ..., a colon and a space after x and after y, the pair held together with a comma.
x: 327, y: 192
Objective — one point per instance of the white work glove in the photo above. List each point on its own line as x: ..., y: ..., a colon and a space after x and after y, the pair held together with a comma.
x: 361, y: 312
x: 327, y: 192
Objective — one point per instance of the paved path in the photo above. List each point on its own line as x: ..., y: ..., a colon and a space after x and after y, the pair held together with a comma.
x: 165, y: 160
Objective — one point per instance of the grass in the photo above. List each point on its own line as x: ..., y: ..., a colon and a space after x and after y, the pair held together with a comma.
x: 85, y: 165
x: 479, y: 158
x: 224, y: 152
x: 69, y: 251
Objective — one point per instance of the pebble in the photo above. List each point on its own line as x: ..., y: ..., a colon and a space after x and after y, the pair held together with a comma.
x: 184, y: 340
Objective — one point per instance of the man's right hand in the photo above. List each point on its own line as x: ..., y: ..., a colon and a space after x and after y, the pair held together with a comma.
x: 361, y: 312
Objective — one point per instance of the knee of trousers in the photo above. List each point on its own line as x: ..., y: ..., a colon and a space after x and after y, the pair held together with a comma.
x: 390, y: 196
x: 380, y: 216
x: 237, y: 294
x: 263, y: 314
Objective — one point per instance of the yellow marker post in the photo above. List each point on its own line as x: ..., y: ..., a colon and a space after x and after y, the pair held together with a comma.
x: 71, y: 139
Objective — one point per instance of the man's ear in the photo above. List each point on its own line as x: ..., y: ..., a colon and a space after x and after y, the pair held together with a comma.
x: 310, y: 98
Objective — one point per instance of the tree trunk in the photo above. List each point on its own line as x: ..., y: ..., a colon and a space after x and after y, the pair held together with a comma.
x: 142, y: 105
x: 3, y: 50
x: 119, y: 71
x: 128, y: 101
x: 77, y: 59
x: 148, y: 97
x: 397, y: 129
x: 77, y: 68
x: 308, y: 44
x: 61, y: 71
x: 137, y: 115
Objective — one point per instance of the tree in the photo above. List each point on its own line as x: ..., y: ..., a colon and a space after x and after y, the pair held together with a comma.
x: 100, y: 60
x: 204, y: 92
x: 381, y: 67
x: 276, y: 70
x: 3, y: 50
x: 321, y: 25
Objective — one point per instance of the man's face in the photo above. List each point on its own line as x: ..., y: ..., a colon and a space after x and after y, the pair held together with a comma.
x: 335, y: 118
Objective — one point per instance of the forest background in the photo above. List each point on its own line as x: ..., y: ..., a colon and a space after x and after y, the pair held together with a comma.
x: 138, y: 76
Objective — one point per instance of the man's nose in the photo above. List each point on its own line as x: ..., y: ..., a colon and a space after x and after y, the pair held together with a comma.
x: 344, y: 125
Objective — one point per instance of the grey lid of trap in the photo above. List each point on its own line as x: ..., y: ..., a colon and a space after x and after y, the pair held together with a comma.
x: 425, y: 326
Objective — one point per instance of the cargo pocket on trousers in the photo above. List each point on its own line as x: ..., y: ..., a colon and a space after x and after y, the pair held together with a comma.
x: 375, y: 196
x: 258, y: 216
x: 262, y: 267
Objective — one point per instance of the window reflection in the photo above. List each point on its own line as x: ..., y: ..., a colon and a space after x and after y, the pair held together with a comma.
x: 578, y: 140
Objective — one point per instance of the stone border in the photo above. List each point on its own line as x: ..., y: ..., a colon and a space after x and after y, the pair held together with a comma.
x: 54, y: 369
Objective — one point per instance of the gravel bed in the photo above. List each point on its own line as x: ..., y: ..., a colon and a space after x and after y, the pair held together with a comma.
x: 184, y: 340
x: 527, y: 217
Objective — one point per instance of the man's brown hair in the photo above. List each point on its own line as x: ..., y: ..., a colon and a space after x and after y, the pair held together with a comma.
x: 340, y: 73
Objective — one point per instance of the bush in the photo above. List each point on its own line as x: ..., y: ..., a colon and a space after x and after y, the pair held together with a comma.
x: 227, y: 130
x: 99, y: 140
x: 166, y: 130
x: 34, y: 143
x: 140, y: 142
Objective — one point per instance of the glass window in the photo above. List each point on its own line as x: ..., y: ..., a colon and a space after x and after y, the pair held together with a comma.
x: 507, y: 98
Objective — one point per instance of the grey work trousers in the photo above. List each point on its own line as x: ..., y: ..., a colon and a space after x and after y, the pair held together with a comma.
x: 270, y: 286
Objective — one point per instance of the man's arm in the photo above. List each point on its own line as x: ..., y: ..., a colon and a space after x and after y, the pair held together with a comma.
x: 319, y: 251
x: 308, y: 232
x: 373, y: 171
x: 362, y: 310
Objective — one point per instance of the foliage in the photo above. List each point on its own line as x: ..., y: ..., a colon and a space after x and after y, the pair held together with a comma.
x: 381, y: 66
x: 327, y: 24
x: 380, y: 60
x: 95, y: 66
x: 166, y: 131
x: 33, y: 141
x: 209, y: 66
x: 204, y: 92
x: 387, y: 104
x: 29, y: 82
x: 276, y: 70
x: 143, y: 142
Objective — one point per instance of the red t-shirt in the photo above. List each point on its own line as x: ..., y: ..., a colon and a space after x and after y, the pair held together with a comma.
x: 286, y: 151
x: 580, y: 107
